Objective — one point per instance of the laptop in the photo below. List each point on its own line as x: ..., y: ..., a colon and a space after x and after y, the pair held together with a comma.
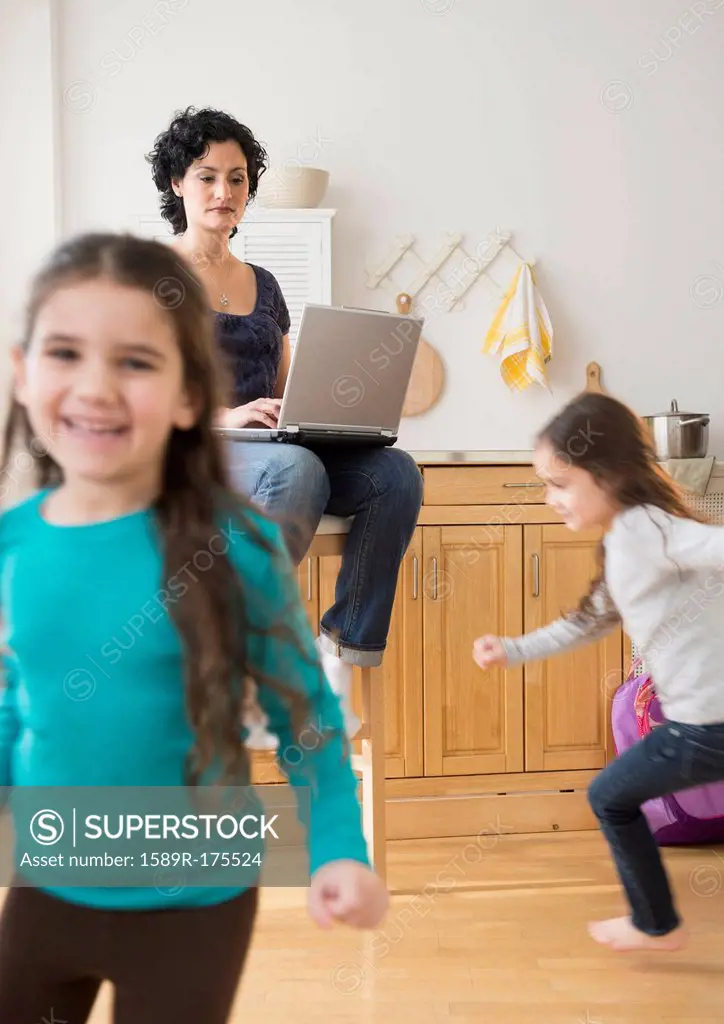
x: 347, y: 381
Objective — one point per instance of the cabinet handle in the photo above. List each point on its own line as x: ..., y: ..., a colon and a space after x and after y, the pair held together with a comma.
x: 524, y: 485
x: 415, y: 577
x: 434, y: 578
x: 309, y: 579
x: 536, y: 576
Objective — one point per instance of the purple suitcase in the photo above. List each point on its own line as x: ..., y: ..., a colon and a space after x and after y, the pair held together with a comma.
x: 692, y: 816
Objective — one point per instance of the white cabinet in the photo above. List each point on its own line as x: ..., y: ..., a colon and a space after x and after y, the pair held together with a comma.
x: 295, y: 246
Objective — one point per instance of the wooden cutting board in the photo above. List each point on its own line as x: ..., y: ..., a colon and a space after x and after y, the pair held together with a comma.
x: 428, y: 372
x: 593, y: 379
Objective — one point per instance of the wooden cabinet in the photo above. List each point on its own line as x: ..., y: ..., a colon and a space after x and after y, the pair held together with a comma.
x: 308, y: 577
x: 472, y: 585
x: 567, y: 702
x: 519, y: 745
x: 545, y: 716
x: 402, y: 667
x: 444, y: 717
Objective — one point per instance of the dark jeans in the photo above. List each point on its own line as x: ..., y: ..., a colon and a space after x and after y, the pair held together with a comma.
x: 167, y: 965
x: 672, y: 758
x: 380, y: 487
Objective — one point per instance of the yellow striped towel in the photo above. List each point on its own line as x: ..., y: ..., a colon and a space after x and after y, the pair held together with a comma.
x: 522, y: 333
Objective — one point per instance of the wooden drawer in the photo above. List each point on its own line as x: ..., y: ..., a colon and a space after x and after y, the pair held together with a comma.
x: 482, y: 485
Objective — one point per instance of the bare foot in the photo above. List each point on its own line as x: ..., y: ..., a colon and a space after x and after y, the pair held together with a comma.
x: 620, y: 934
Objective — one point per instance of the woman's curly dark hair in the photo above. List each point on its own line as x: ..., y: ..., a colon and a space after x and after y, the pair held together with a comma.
x: 185, y: 140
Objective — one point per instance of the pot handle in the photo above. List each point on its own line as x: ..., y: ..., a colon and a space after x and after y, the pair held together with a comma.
x: 704, y: 420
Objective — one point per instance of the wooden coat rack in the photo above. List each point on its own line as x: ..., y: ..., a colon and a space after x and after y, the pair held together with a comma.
x: 473, y: 267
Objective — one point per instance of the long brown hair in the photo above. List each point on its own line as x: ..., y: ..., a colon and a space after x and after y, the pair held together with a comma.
x: 196, y: 495
x: 605, y: 437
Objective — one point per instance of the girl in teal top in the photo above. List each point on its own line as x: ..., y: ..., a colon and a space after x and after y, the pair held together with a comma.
x: 140, y: 597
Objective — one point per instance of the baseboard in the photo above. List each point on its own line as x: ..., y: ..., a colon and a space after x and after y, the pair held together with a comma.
x: 475, y: 805
x: 488, y: 815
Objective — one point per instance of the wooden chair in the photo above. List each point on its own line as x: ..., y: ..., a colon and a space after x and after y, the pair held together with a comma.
x: 330, y: 539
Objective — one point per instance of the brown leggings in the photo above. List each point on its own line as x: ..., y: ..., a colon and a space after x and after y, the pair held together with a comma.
x: 166, y: 965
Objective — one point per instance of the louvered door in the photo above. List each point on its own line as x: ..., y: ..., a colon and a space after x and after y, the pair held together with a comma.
x: 295, y: 247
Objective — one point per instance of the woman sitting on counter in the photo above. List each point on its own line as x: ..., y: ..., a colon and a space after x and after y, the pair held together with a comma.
x: 206, y: 166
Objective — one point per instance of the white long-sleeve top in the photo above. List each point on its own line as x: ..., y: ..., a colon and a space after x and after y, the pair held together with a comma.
x: 664, y: 580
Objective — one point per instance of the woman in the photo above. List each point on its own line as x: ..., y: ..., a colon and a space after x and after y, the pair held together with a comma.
x: 207, y: 167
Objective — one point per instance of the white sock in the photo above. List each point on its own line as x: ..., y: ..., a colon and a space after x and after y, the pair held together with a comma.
x: 256, y: 722
x: 339, y: 675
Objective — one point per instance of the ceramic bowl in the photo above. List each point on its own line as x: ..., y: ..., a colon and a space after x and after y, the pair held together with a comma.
x: 293, y: 187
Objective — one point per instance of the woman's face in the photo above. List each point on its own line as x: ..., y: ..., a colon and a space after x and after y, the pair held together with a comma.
x: 215, y: 188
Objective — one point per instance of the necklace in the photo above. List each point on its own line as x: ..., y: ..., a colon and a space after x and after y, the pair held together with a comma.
x: 199, y: 260
x: 224, y: 298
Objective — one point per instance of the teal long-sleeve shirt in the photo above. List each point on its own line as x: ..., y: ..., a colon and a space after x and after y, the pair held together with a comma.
x: 94, y: 691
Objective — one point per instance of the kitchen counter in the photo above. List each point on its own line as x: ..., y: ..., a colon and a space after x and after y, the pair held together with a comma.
x: 494, y: 457
x: 523, y: 457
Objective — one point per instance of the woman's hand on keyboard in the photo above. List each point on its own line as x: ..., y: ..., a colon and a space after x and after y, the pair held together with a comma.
x: 261, y: 412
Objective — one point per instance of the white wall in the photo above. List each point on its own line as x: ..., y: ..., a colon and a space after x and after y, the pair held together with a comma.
x: 591, y: 129
x: 28, y: 158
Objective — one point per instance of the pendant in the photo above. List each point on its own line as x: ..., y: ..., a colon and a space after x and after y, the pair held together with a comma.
x: 224, y: 301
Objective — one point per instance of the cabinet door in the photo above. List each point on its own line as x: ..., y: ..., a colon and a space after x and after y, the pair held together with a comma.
x: 294, y: 245
x: 472, y: 585
x: 308, y: 578
x: 567, y: 697
x: 295, y: 252
x: 401, y: 671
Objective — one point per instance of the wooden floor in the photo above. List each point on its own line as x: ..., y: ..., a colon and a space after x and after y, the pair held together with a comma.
x: 488, y: 933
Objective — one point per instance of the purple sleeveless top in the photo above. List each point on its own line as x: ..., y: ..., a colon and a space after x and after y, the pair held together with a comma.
x: 252, y: 344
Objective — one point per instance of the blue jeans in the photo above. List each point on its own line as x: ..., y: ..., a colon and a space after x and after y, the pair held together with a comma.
x: 380, y: 487
x: 671, y: 758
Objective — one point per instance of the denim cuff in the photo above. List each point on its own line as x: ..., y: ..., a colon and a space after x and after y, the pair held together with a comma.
x: 352, y: 655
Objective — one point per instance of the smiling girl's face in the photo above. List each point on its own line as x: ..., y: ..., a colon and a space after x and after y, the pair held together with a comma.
x: 572, y: 491
x: 102, y: 382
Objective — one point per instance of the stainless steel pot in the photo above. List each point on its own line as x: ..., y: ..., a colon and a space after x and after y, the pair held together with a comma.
x: 679, y: 435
